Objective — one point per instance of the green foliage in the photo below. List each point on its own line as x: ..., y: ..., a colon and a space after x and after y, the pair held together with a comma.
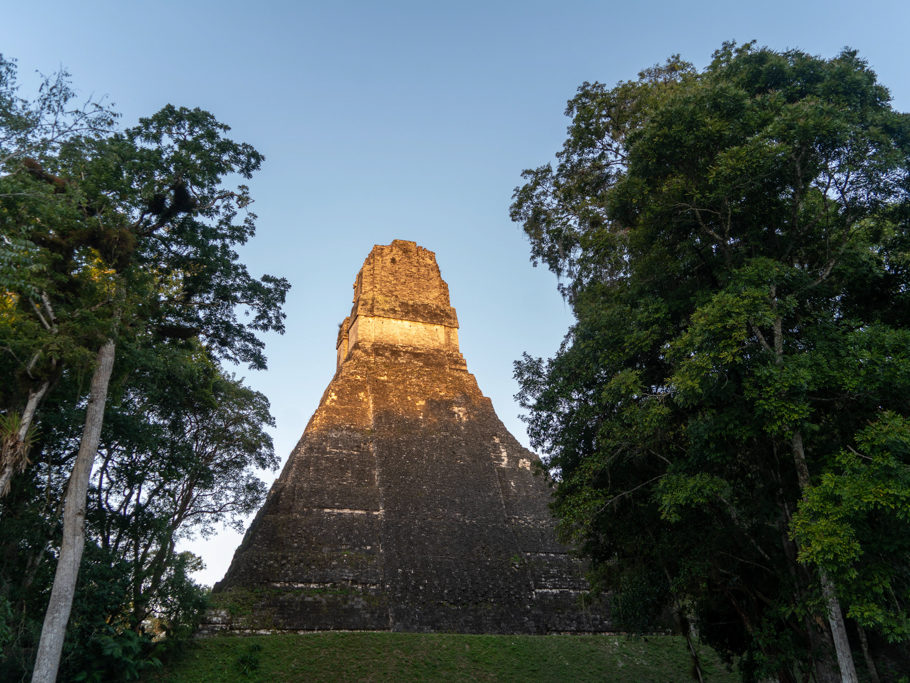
x: 131, y: 235
x: 734, y: 246
x: 114, y: 655
x: 248, y: 662
x: 856, y: 524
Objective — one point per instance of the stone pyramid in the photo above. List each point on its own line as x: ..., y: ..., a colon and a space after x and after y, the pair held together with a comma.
x: 406, y: 505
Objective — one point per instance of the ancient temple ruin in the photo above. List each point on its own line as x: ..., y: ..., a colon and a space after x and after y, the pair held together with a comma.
x: 406, y: 505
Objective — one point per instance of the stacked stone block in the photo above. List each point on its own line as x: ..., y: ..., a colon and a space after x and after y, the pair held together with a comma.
x: 406, y: 505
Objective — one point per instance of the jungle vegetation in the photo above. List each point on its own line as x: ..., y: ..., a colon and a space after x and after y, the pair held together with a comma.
x: 727, y: 422
x: 123, y: 304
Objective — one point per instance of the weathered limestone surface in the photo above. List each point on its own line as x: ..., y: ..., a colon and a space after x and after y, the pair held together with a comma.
x: 406, y: 505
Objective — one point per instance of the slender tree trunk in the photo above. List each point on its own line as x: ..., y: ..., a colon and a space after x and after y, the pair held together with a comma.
x: 6, y: 474
x: 867, y: 655
x: 838, y: 629
x: 13, y: 461
x: 61, y: 601
x: 832, y: 604
x: 16, y: 458
x: 693, y: 654
x: 34, y: 398
x: 685, y: 627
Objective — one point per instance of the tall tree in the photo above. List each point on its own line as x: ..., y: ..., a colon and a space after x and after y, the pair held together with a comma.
x: 133, y: 235
x: 733, y: 243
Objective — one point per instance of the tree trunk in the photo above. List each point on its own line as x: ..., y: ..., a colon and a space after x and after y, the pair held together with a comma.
x: 34, y: 398
x: 16, y: 458
x: 867, y: 655
x: 693, y: 654
x: 13, y: 461
x: 832, y: 604
x: 685, y: 627
x: 838, y: 629
x: 61, y: 601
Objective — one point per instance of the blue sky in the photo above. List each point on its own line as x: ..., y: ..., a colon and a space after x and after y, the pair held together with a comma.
x: 408, y: 120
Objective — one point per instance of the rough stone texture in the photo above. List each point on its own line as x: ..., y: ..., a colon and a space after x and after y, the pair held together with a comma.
x: 406, y: 505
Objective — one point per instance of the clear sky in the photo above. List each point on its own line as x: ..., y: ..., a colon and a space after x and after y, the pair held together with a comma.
x: 407, y: 120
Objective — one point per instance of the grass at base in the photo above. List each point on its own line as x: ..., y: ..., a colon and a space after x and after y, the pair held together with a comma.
x: 368, y: 656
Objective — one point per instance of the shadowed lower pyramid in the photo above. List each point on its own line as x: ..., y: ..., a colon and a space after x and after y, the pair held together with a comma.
x: 406, y: 505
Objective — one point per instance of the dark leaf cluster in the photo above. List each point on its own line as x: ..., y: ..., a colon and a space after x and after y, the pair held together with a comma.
x: 733, y: 243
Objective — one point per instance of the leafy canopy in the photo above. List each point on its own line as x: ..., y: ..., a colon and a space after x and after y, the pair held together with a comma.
x: 127, y: 235
x: 734, y: 244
